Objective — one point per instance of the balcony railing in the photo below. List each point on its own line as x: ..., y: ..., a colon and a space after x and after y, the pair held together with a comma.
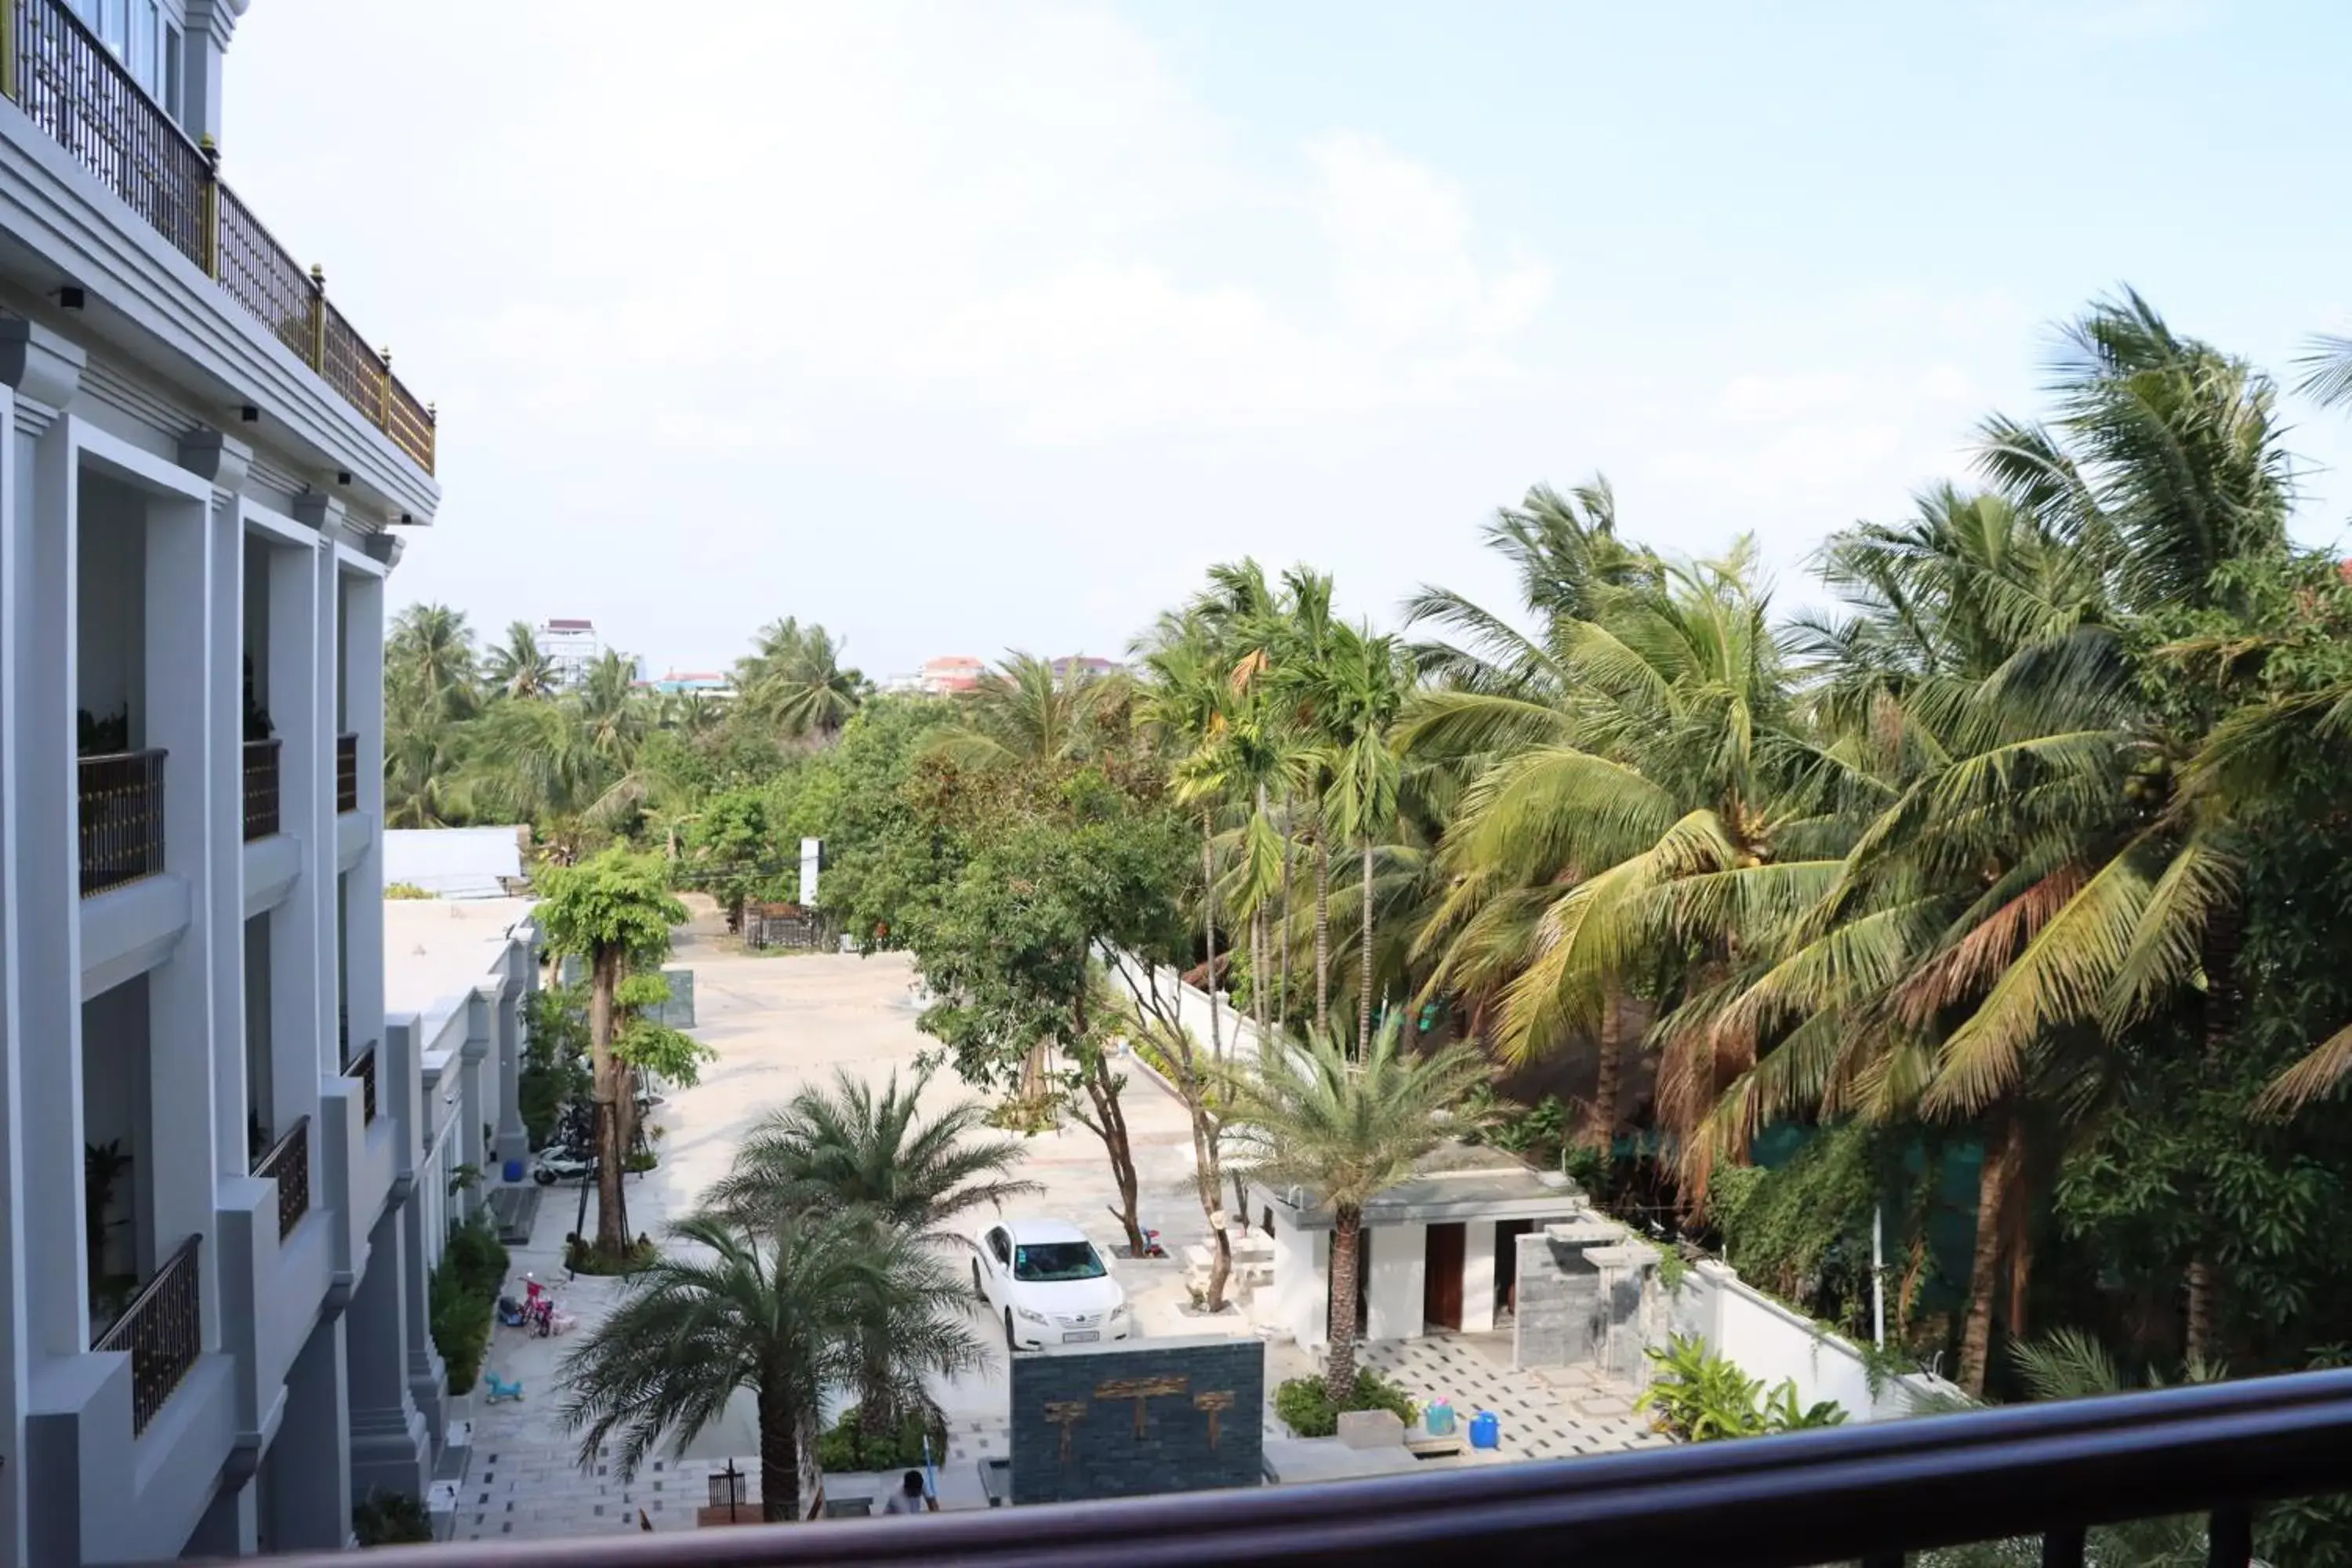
x: 362, y: 1067
x: 347, y: 773
x: 72, y: 86
x: 260, y: 789
x: 287, y: 1163
x: 163, y: 1329
x: 121, y: 818
x: 1854, y: 1494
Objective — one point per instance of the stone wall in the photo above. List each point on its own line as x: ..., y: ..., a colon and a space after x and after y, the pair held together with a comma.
x: 1139, y: 1417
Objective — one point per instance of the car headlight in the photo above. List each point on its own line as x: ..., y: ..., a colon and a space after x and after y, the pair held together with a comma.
x: 1119, y: 1311
x: 1026, y: 1314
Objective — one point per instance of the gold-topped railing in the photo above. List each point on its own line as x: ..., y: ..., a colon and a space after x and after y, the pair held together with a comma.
x: 71, y: 85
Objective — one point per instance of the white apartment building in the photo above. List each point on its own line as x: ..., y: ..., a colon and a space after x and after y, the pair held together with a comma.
x: 212, y: 1259
x: 572, y: 647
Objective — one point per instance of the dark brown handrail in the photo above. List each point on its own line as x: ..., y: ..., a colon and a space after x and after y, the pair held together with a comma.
x: 287, y: 1163
x: 261, y: 818
x: 122, y: 817
x: 163, y: 1331
x: 362, y: 1067
x: 70, y: 84
x: 347, y: 773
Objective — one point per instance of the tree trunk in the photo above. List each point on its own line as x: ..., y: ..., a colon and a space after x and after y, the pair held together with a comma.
x: 1282, y: 985
x: 1984, y: 1268
x: 1364, y: 998
x: 1209, y: 925
x: 1322, y: 931
x: 1207, y: 1180
x: 1110, y: 1125
x: 1340, y: 1361
x: 612, y: 1204
x: 1260, y: 964
x: 779, y: 1458
x: 1601, y: 1120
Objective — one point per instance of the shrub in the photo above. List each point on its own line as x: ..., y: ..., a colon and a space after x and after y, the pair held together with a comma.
x: 464, y: 1294
x: 1700, y: 1397
x: 581, y: 1258
x: 405, y: 890
x: 849, y: 1446
x: 1304, y: 1410
x: 391, y: 1519
x: 640, y: 1162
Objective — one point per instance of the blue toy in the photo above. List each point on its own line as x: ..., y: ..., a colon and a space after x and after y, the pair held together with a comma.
x: 1486, y: 1431
x: 500, y: 1388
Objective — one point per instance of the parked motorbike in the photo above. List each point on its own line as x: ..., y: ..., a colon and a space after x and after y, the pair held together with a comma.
x: 559, y: 1163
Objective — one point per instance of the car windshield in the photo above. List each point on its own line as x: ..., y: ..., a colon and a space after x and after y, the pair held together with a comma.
x: 1048, y: 1262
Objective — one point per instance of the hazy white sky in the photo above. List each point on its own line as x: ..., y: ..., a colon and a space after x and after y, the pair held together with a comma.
x: 959, y: 327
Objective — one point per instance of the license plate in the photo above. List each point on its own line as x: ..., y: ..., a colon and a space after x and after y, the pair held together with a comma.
x: 1083, y: 1337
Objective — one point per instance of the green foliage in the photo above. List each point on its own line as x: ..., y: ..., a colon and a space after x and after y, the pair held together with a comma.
x: 581, y: 1256
x: 617, y: 902
x: 847, y: 1446
x: 405, y: 891
x: 1539, y: 1133
x: 674, y: 1056
x: 1700, y: 1397
x: 391, y: 1519
x: 462, y: 1295
x: 554, y: 1066
x: 1306, y: 1409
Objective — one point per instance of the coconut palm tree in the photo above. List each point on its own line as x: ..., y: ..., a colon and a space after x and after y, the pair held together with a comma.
x: 797, y: 682
x: 519, y: 668
x: 1027, y: 713
x: 847, y: 1146
x: 1346, y: 1126
x: 429, y: 663
x: 1363, y: 696
x: 786, y: 1310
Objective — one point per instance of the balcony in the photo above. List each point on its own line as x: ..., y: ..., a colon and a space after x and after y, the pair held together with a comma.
x: 162, y: 1331
x: 72, y: 86
x: 260, y: 789
x: 122, y: 817
x: 1868, y: 1494
x: 347, y: 773
x: 362, y: 1067
x: 288, y: 1162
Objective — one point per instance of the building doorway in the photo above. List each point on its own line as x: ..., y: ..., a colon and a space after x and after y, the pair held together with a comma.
x: 1440, y: 1276
x: 1506, y: 1265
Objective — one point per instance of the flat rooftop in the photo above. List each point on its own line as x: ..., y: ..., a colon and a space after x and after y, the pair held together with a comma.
x: 1453, y: 1182
x: 437, y: 949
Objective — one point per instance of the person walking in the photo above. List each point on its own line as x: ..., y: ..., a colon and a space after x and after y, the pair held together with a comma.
x: 909, y: 1497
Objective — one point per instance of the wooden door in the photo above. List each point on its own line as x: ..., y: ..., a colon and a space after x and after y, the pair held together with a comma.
x: 1441, y: 1280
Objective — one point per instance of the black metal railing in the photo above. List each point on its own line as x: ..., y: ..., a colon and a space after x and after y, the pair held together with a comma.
x: 362, y: 1067
x: 1868, y: 1494
x: 73, y: 88
x: 121, y: 818
x: 164, y: 1331
x: 287, y: 1163
x: 347, y: 773
x: 260, y: 789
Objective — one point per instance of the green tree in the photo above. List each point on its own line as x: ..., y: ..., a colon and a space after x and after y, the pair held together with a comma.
x: 1348, y: 1128
x: 1364, y: 695
x: 795, y: 681
x: 614, y: 913
x: 783, y: 1308
x: 519, y: 668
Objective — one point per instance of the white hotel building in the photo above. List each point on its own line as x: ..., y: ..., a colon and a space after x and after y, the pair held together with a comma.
x: 212, y: 1276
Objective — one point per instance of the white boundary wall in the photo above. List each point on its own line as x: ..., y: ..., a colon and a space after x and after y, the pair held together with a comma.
x: 1770, y: 1342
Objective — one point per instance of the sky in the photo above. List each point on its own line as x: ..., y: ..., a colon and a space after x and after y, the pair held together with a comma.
x: 960, y: 328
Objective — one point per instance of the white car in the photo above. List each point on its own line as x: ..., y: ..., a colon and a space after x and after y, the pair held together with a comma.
x: 1050, y: 1285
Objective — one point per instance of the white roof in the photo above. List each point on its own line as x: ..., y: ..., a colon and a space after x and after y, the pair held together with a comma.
x: 1029, y: 1231
x: 453, y: 862
x: 437, y: 950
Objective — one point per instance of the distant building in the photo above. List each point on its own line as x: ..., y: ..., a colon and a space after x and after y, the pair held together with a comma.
x: 949, y: 674
x: 1085, y: 665
x: 691, y: 683
x: 572, y: 647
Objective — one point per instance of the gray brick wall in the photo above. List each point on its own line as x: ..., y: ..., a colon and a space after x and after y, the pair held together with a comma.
x: 1076, y: 1426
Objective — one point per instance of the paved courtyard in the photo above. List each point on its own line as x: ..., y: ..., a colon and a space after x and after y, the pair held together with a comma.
x: 780, y: 1023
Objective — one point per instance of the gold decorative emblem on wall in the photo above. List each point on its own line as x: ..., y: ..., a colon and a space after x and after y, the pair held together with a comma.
x: 1066, y: 1414
x: 1140, y: 1389
x: 1215, y: 1404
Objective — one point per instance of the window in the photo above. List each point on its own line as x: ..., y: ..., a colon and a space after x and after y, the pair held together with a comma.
x: 999, y: 1245
x: 174, y: 62
x: 1055, y: 1262
x: 145, y: 23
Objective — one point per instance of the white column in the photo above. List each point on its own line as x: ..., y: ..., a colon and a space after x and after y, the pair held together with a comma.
x: 310, y: 1480
x: 514, y: 1141
x: 301, y: 946
x: 211, y: 23
x: 181, y: 719
x: 362, y: 627
x: 1398, y: 1259
x: 474, y: 1110
x: 49, y: 885
x: 319, y: 862
x: 223, y: 462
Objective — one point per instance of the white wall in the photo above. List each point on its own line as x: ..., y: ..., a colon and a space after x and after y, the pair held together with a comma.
x: 1400, y: 1262
x: 1768, y: 1341
x: 1478, y: 1277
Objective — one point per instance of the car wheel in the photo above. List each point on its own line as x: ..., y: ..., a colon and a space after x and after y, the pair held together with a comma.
x: 1010, y: 1343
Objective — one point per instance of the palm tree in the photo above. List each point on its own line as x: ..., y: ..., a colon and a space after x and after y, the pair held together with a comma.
x: 785, y: 1310
x: 795, y: 681
x: 519, y: 668
x: 429, y: 663
x: 847, y: 1147
x: 1183, y: 704
x: 1348, y: 1126
x: 1363, y: 696
x: 1024, y: 713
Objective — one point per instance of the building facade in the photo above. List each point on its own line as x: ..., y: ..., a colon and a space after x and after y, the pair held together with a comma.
x: 209, y: 1295
x: 572, y: 647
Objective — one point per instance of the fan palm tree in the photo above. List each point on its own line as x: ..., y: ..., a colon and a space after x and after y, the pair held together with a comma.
x: 786, y: 1310
x: 845, y: 1146
x: 1348, y: 1126
x: 519, y: 668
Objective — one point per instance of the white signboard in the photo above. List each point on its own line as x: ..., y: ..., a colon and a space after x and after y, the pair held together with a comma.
x: 808, y: 872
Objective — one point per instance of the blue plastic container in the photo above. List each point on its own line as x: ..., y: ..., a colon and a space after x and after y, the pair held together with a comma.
x: 514, y: 1169
x: 1439, y: 1418
x: 1485, y: 1432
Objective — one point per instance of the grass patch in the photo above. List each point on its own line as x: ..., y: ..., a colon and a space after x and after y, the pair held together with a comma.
x: 464, y: 1294
x: 1306, y: 1410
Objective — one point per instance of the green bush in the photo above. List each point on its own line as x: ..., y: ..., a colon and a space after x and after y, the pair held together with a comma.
x: 1700, y: 1397
x: 849, y: 1446
x: 581, y: 1256
x: 1304, y: 1410
x: 464, y: 1294
x: 391, y: 1519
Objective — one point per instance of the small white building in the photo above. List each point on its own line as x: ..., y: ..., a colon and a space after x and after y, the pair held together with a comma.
x: 571, y: 646
x: 1437, y: 1250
